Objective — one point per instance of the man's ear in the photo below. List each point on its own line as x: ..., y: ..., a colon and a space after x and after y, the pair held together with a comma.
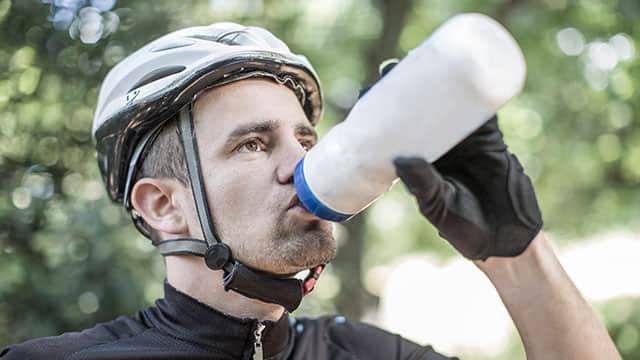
x: 158, y: 202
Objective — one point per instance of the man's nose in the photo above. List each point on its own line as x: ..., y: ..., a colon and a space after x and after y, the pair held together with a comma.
x: 290, y: 155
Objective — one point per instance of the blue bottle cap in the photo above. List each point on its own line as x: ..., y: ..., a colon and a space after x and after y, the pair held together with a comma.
x: 310, y: 201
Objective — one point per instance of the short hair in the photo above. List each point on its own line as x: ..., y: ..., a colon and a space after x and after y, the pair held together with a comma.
x: 164, y: 158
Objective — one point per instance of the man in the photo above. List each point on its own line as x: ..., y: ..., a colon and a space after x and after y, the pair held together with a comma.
x: 198, y: 134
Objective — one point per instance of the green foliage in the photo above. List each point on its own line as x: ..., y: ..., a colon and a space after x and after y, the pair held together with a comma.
x: 622, y: 318
x: 66, y: 251
x: 70, y: 258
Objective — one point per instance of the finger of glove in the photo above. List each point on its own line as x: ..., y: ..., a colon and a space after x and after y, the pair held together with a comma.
x: 523, y: 199
x: 448, y: 205
x: 385, y: 68
x: 487, y: 138
x: 425, y: 183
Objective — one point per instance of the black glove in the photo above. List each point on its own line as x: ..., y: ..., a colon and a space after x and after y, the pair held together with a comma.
x: 476, y: 195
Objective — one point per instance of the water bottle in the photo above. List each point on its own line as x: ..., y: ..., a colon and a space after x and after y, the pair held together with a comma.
x: 441, y: 92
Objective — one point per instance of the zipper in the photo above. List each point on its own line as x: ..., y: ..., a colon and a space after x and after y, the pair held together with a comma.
x: 257, y: 345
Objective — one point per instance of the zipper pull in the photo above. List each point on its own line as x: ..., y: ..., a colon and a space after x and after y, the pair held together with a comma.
x: 257, y: 345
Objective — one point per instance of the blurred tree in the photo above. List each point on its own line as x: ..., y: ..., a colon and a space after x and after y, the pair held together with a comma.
x: 69, y: 258
x: 66, y: 252
x: 354, y: 300
x: 622, y: 318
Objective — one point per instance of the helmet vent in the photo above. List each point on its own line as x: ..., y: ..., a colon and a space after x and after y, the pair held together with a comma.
x: 158, y: 74
x: 172, y: 45
x: 235, y: 37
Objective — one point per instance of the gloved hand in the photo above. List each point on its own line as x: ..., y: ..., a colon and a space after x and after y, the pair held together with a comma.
x: 476, y: 195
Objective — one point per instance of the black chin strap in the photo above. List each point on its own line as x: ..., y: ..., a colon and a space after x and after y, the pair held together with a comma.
x: 217, y: 255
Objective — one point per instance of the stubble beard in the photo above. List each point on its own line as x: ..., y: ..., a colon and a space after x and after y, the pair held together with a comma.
x: 299, y: 245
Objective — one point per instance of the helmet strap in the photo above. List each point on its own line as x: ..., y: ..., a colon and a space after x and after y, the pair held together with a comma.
x: 190, y: 146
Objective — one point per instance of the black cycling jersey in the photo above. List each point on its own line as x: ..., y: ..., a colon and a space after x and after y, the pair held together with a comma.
x: 180, y: 327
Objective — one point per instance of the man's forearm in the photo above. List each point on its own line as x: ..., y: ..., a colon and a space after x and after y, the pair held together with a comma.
x: 553, y: 319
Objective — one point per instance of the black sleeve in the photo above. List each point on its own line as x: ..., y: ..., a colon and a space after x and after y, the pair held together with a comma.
x: 61, y: 347
x: 31, y: 352
x: 4, y: 354
x: 370, y: 342
x: 49, y: 348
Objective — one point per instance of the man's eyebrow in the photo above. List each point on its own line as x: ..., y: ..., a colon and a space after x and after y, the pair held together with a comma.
x: 264, y: 126
x: 306, y: 130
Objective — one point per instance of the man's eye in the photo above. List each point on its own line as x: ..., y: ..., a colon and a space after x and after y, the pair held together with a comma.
x: 252, y: 145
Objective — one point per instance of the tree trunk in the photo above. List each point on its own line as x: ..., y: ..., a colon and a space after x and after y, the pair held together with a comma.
x: 353, y: 299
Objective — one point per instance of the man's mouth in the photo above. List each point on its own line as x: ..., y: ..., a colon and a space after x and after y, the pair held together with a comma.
x: 295, y: 201
x: 295, y: 205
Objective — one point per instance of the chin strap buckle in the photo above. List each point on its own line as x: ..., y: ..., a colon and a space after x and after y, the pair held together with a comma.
x: 310, y: 281
x: 217, y: 256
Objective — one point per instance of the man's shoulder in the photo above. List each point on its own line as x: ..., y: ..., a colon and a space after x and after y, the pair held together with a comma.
x: 66, y: 345
x: 362, y: 339
x: 347, y: 333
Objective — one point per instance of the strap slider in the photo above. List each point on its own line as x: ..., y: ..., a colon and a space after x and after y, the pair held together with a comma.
x: 310, y: 282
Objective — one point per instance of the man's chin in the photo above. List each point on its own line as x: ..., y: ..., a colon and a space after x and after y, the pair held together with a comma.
x: 300, y: 243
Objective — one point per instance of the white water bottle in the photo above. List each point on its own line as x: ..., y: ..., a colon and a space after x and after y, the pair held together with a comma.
x: 436, y: 96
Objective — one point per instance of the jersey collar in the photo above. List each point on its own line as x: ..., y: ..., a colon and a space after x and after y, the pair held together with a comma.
x: 185, y: 318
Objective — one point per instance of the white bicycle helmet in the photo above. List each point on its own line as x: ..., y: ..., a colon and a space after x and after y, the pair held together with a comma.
x: 151, y: 85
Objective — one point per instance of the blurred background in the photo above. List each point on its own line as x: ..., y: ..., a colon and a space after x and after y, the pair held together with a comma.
x: 69, y: 258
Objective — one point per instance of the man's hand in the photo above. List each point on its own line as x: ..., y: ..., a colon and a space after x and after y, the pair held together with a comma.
x: 476, y: 195
x: 479, y: 198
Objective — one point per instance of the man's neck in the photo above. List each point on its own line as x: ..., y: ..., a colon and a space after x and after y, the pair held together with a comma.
x: 191, y: 276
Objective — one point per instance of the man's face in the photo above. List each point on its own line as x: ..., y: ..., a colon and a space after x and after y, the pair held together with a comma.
x: 251, y: 134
